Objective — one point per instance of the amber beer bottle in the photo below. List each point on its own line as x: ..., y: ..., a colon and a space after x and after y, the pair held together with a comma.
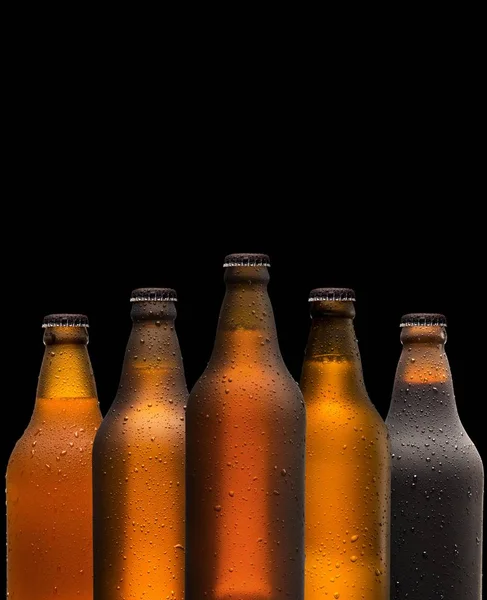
x: 49, y: 516
x: 138, y: 463
x: 437, y: 474
x: 347, y: 461
x: 245, y: 443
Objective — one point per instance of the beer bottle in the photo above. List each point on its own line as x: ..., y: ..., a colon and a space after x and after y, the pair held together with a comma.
x: 49, y: 514
x: 245, y: 443
x: 138, y: 463
x: 347, y: 461
x: 437, y: 474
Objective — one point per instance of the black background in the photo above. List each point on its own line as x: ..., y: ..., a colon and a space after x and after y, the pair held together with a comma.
x: 359, y: 171
x: 391, y: 271
x: 94, y: 277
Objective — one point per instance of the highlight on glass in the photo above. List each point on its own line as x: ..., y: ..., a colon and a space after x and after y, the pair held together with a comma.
x: 347, y: 461
x: 138, y: 462
x: 245, y: 445
x: 48, y: 481
x: 437, y: 474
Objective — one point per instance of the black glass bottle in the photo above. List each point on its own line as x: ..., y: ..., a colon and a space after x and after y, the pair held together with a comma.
x: 437, y: 475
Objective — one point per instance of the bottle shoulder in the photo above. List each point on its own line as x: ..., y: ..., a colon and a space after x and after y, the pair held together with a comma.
x: 329, y: 409
x: 443, y: 448
x: 258, y: 381
x: 55, y: 442
x: 147, y: 394
x: 16, y: 453
x: 353, y: 397
x: 270, y: 369
x: 144, y: 422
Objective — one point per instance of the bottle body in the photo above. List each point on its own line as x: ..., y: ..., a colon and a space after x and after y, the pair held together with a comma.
x: 49, y: 486
x: 245, y: 445
x: 437, y: 479
x: 347, y: 467
x: 245, y: 452
x: 138, y: 468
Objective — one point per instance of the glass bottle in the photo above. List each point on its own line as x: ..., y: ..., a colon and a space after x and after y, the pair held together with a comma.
x: 437, y: 474
x: 347, y: 461
x: 245, y: 444
x: 49, y: 488
x: 138, y: 463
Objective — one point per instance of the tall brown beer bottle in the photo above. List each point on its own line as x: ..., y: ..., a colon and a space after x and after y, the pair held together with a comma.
x: 138, y: 463
x: 437, y: 474
x: 347, y: 461
x: 245, y: 445
x: 49, y: 514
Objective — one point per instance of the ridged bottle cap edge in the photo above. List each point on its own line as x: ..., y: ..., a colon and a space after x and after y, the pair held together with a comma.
x: 247, y: 260
x: 65, y: 320
x: 332, y: 295
x: 153, y: 295
x: 423, y: 320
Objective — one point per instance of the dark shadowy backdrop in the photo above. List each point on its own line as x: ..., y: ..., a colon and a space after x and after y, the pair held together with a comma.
x: 93, y: 272
x: 351, y: 162
x: 96, y: 275
x: 93, y: 268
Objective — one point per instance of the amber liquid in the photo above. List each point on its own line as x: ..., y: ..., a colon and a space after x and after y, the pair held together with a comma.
x: 138, y: 470
x: 245, y: 453
x: 139, y: 529
x: 49, y: 503
x: 347, y: 487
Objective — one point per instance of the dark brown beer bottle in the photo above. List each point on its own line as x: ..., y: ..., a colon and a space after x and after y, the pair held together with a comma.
x: 245, y: 444
x: 138, y: 463
x: 49, y: 514
x: 437, y: 474
x: 347, y: 461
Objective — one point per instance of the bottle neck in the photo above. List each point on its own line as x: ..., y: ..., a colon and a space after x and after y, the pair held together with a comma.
x: 423, y: 385
x: 246, y: 327
x: 332, y: 357
x: 66, y: 370
x: 152, y: 359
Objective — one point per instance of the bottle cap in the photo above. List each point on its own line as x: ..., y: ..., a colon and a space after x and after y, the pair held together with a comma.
x: 153, y: 295
x: 332, y: 295
x: 423, y: 320
x: 247, y: 260
x: 65, y: 320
